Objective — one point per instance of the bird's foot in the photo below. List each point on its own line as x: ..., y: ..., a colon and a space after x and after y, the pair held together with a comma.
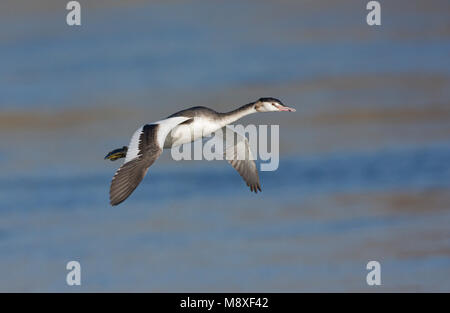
x: 117, y: 154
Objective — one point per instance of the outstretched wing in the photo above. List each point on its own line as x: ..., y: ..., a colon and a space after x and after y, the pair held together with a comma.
x: 238, y: 153
x: 131, y: 173
x: 145, y: 147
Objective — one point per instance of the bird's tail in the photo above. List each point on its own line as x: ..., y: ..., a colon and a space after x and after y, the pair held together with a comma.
x: 117, y: 154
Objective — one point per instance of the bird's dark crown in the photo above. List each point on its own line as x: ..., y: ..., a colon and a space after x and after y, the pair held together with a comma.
x: 270, y: 99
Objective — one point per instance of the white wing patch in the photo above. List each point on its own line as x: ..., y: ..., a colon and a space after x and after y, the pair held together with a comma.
x: 133, y: 147
x: 165, y: 126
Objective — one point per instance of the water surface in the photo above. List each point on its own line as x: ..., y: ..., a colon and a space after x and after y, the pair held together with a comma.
x: 364, y: 170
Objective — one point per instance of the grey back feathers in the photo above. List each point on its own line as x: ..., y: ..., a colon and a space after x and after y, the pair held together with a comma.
x: 197, y: 111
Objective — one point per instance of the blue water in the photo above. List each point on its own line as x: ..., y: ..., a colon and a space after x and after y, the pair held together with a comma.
x: 410, y: 169
x: 150, y: 49
x: 364, y: 169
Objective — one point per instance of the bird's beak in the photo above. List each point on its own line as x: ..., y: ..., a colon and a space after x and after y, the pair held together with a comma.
x: 287, y: 109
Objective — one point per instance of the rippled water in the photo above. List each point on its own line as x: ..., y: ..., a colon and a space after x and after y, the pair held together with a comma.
x: 364, y: 170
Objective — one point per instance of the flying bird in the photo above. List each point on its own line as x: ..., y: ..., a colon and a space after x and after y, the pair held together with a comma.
x: 185, y: 126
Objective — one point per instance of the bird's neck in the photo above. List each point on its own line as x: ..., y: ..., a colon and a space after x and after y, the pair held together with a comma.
x: 239, y: 113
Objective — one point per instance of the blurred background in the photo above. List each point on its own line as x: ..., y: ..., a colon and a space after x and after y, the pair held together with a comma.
x: 365, y: 162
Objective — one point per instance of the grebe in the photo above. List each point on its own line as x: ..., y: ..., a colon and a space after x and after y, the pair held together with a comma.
x: 185, y: 126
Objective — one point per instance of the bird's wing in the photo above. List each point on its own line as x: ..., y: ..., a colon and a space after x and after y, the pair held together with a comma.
x: 238, y: 153
x: 145, y: 147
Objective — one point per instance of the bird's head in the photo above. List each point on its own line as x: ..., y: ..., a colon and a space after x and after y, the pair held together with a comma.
x: 271, y: 105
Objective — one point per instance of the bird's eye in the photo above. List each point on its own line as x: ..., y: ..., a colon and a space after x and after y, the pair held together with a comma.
x: 273, y: 104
